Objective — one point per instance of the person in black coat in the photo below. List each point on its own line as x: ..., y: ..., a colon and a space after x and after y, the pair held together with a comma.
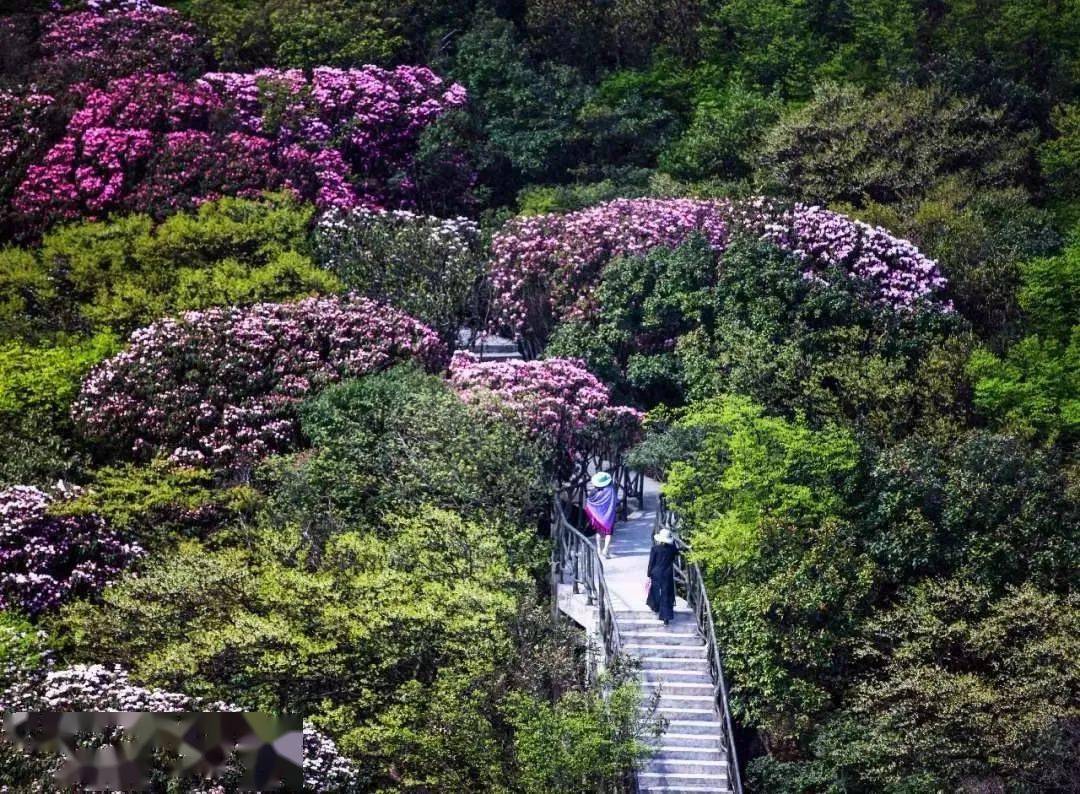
x: 661, y: 598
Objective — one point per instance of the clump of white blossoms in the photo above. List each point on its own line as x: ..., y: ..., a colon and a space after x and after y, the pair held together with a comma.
x: 425, y: 265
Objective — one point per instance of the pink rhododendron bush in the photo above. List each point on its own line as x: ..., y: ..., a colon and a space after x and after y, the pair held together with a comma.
x: 557, y: 400
x: 46, y: 559
x: 155, y: 142
x: 109, y: 40
x: 99, y: 688
x: 219, y: 388
x: 544, y: 268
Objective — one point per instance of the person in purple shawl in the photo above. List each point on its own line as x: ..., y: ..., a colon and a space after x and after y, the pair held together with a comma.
x: 600, y: 510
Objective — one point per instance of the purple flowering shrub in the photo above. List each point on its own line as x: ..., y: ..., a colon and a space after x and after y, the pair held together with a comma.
x: 557, y: 400
x: 545, y: 268
x: 99, y: 688
x: 154, y: 142
x: 110, y: 40
x: 220, y: 388
x: 46, y: 559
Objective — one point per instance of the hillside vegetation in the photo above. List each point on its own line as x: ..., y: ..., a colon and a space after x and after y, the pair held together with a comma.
x: 816, y: 261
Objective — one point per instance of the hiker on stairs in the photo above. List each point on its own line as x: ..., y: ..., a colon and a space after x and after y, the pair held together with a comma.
x: 661, y: 599
x: 601, y: 509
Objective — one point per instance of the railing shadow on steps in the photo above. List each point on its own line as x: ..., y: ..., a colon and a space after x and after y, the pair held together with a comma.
x: 689, y: 581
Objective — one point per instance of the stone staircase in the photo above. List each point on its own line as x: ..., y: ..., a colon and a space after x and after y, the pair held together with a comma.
x: 690, y: 755
x: 488, y: 347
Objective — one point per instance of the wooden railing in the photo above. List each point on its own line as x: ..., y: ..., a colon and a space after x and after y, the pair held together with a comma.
x: 689, y: 581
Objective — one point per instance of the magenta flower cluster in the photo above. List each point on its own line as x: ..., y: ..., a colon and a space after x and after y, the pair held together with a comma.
x: 219, y: 388
x: 100, y: 688
x: 556, y: 400
x: 46, y: 559
x: 110, y: 40
x: 154, y: 142
x: 545, y: 267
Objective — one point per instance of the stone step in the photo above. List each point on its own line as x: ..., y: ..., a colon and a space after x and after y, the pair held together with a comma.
x: 696, y: 725
x: 662, y: 637
x: 705, y: 741
x: 682, y: 789
x: 688, y: 713
x: 654, y: 663
x: 674, y: 700
x: 680, y: 752
x: 655, y: 624
x: 681, y: 613
x: 657, y: 650
x: 687, y: 767
x: 677, y: 673
x: 680, y: 779
x: 678, y: 688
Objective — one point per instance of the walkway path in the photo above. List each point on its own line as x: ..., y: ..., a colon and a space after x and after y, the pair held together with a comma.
x: 691, y: 755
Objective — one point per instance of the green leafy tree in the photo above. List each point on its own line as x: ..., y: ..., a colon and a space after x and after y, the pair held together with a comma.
x: 748, y: 466
x: 961, y: 690
x: 387, y: 442
x: 1035, y: 386
x: 892, y: 146
x: 722, y: 138
x: 127, y: 272
x: 1060, y: 156
x: 247, y: 34
x: 527, y: 113
x: 985, y: 506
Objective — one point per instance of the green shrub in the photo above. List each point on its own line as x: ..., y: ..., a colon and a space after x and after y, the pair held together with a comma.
x: 161, y: 503
x: 388, y: 442
x: 1034, y: 388
x: 37, y: 386
x: 723, y: 136
x: 126, y: 272
x: 429, y: 267
x: 581, y: 742
x: 893, y: 146
x: 969, y: 690
x: 247, y: 34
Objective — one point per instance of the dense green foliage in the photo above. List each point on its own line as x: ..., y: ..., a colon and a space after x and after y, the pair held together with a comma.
x: 385, y: 584
x: 1035, y: 387
x: 127, y: 272
x: 885, y: 502
x: 678, y: 324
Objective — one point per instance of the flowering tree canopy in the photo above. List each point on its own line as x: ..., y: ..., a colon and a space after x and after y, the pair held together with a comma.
x: 425, y: 265
x: 220, y: 387
x: 556, y: 399
x: 545, y: 267
x: 109, y: 40
x: 155, y: 142
x: 98, y: 688
x: 45, y: 559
